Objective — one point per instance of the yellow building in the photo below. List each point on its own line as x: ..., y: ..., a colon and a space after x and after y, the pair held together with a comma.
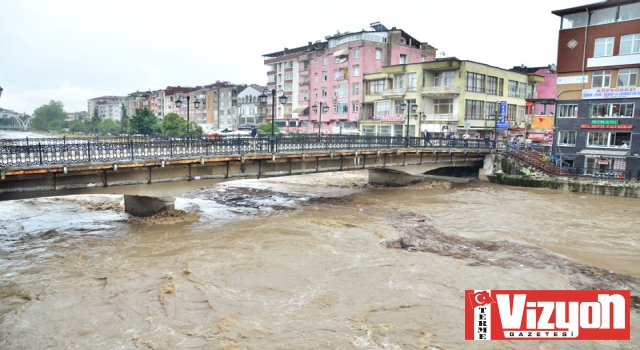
x: 451, y: 96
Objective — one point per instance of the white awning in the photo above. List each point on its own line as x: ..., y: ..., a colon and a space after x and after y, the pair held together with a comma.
x: 599, y: 153
x: 300, y: 109
x: 341, y: 53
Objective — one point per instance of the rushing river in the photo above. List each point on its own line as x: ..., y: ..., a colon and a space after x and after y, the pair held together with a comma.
x: 304, y: 262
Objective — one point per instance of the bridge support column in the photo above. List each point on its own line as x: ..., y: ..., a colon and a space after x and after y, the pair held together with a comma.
x: 147, y: 206
x: 392, y: 178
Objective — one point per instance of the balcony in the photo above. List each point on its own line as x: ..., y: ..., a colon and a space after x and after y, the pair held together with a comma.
x: 439, y: 118
x: 393, y: 93
x: 440, y: 91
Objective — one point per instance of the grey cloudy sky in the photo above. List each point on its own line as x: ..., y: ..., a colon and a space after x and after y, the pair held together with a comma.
x: 73, y: 50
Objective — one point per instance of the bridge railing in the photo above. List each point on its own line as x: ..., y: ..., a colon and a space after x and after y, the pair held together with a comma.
x: 82, y: 150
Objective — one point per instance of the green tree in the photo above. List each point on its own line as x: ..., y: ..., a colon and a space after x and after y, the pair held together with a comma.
x: 143, y: 122
x: 173, y: 125
x: 50, y: 116
x: 265, y: 128
x: 77, y: 126
x: 109, y: 126
x: 95, y: 121
x: 124, y: 118
x: 196, y: 130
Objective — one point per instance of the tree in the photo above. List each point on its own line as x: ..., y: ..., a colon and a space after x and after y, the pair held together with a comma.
x: 143, y: 122
x: 77, y: 126
x: 265, y: 128
x: 124, y: 118
x: 95, y: 121
x: 50, y: 116
x: 109, y: 126
x: 195, y: 129
x: 173, y: 125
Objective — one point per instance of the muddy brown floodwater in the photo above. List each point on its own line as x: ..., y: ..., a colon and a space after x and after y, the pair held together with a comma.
x: 306, y: 262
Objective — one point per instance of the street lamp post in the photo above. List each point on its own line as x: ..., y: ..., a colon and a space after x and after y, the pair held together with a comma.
x: 323, y: 108
x: 196, y: 104
x: 1, y: 90
x: 263, y: 101
x: 414, y: 108
x: 495, y: 129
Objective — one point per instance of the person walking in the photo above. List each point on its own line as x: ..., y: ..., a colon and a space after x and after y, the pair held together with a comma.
x: 426, y: 136
x: 254, y: 136
x: 466, y: 137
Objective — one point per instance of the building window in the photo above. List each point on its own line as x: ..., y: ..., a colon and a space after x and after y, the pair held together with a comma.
x: 627, y: 77
x: 399, y: 84
x: 609, y: 139
x: 356, y: 53
x: 475, y: 82
x: 522, y: 90
x: 336, y: 75
x: 530, y: 90
x: 324, y: 60
x: 378, y: 54
x: 442, y: 106
x: 343, y: 108
x: 343, y: 90
x: 355, y: 89
x: 411, y: 81
x: 423, y: 59
x: 611, y: 110
x: 288, y: 87
x: 324, y: 92
x: 288, y: 76
x: 604, y: 47
x: 315, y: 77
x: 325, y: 77
x: 403, y: 59
x: 601, y: 78
x: 513, y: 87
x: 443, y: 79
x: 375, y: 87
x: 316, y: 64
x: 492, y: 85
x: 315, y: 93
x: 382, y: 107
x: 627, y: 12
x: 355, y: 106
x: 603, y: 16
x: 356, y: 71
x: 574, y: 20
x: 520, y: 117
x: 567, y: 138
x: 473, y: 109
x: 630, y: 43
x: 512, y: 112
x: 491, y: 109
x: 500, y: 87
x: 567, y: 111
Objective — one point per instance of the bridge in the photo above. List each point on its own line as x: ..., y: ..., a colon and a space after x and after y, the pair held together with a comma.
x: 141, y: 168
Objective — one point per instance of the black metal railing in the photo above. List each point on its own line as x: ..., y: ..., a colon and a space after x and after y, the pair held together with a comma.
x: 43, y: 151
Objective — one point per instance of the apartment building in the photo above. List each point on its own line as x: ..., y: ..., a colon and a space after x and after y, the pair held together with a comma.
x: 540, y: 109
x: 249, y: 108
x: 598, y: 99
x: 228, y: 106
x: 451, y: 95
x: 332, y: 73
x: 108, y: 107
x: 77, y: 116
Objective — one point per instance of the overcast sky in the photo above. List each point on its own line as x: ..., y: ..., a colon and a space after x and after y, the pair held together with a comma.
x: 73, y: 50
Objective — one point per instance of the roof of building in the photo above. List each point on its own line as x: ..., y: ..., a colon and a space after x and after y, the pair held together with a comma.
x: 107, y: 98
x: 592, y: 6
x: 531, y: 70
x: 318, y: 45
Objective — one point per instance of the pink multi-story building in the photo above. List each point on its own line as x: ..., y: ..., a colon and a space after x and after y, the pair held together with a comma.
x: 332, y: 73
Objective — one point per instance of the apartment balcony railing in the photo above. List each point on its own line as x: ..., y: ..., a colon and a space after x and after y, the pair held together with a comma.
x: 393, y: 93
x: 440, y: 90
x: 439, y: 118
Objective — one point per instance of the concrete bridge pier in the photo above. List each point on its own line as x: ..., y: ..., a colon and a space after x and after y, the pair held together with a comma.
x: 392, y: 178
x: 147, y: 206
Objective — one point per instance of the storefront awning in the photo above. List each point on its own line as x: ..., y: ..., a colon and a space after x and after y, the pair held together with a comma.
x: 598, y: 153
x: 300, y: 109
x: 341, y: 53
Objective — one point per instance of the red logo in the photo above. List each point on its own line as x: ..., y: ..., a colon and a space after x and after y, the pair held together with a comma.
x: 547, y: 315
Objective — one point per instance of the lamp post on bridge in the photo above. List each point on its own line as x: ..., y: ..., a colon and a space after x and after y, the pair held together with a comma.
x: 414, y: 108
x: 196, y: 104
x: 323, y: 108
x: 263, y: 101
x: 1, y: 91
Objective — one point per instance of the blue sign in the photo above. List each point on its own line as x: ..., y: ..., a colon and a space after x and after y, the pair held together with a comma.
x: 503, y: 119
x: 502, y: 125
x: 503, y: 108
